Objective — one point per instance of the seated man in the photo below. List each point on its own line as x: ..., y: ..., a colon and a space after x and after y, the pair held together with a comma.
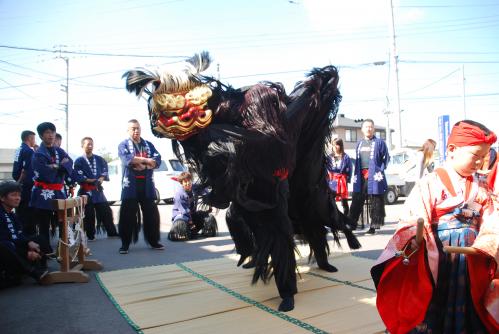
x: 18, y: 254
x: 187, y: 221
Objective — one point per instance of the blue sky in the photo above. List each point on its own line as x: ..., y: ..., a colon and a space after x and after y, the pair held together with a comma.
x: 277, y: 40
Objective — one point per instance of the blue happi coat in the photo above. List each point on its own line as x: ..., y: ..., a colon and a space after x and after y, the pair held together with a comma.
x: 84, y: 169
x: 344, y: 167
x: 126, y: 152
x: 10, y: 230
x: 376, y: 182
x: 22, y: 160
x: 43, y: 198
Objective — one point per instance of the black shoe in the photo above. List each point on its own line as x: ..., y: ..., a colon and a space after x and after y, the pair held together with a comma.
x: 250, y: 264
x: 158, y: 246
x: 113, y: 236
x: 123, y: 250
x: 91, y: 238
x: 371, y: 230
x: 38, y: 274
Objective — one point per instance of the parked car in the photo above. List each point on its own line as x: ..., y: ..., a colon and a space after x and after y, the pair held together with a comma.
x: 163, y: 180
x: 398, y: 175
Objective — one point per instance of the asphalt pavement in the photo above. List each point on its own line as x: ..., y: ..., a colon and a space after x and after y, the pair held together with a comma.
x: 84, y: 308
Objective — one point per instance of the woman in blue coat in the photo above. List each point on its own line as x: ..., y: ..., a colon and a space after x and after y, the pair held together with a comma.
x: 339, y: 167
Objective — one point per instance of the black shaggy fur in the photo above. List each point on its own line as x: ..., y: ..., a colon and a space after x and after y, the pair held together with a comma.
x: 263, y: 157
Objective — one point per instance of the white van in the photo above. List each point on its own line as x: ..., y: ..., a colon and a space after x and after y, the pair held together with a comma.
x: 402, y: 162
x: 165, y: 185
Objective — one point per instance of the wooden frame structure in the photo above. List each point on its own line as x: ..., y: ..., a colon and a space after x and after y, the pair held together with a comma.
x: 71, y: 272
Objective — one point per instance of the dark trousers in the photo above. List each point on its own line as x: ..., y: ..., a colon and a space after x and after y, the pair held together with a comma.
x: 104, y: 214
x: 44, y: 219
x: 130, y: 218
x: 15, y: 262
x: 376, y: 208
x: 25, y: 213
x: 344, y: 203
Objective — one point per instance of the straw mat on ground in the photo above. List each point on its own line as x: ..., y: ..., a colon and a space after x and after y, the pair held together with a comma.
x: 214, y: 296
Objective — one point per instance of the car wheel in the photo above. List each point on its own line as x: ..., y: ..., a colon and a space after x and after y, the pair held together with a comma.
x: 390, y: 196
x: 158, y: 196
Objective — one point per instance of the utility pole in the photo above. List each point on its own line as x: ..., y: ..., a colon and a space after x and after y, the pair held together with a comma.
x: 464, y: 90
x: 388, y: 129
x: 65, y: 88
x: 394, y: 59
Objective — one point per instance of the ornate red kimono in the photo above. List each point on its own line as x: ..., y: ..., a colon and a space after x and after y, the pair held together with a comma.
x: 457, y: 212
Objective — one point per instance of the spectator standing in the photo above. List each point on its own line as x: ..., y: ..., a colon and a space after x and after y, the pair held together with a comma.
x: 23, y: 174
x: 424, y: 158
x: 90, y: 172
x: 369, y: 179
x: 138, y: 157
x: 50, y: 166
x: 339, y: 168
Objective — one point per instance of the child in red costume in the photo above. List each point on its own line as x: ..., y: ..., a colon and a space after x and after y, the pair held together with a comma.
x: 423, y: 289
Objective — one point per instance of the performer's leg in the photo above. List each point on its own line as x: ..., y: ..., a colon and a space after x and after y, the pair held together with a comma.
x: 344, y: 203
x: 274, y: 241
x: 151, y: 222
x: 377, y: 211
x: 357, y: 206
x: 25, y: 214
x: 12, y: 262
x: 44, y: 220
x: 274, y: 236
x: 105, y: 214
x: 89, y: 220
x: 240, y: 233
x: 128, y: 219
x: 16, y: 262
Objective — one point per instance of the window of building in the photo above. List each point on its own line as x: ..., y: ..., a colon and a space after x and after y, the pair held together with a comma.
x: 380, y: 134
x: 350, y: 135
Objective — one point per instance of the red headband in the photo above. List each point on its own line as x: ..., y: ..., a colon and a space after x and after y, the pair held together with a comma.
x: 465, y: 134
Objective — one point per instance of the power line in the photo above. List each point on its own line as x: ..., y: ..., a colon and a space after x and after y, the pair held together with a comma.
x: 434, y: 82
x: 449, y: 6
x: 88, y: 53
x: 31, y: 97
x: 450, y: 61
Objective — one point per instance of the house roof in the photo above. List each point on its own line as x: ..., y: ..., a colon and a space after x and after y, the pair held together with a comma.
x: 344, y: 122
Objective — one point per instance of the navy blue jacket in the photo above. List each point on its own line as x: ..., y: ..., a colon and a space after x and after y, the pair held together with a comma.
x: 22, y: 161
x: 83, y: 171
x: 8, y: 237
x: 376, y: 182
x: 41, y: 197
x: 126, y: 153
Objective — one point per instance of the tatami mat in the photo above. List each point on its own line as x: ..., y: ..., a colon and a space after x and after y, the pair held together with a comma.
x: 214, y: 296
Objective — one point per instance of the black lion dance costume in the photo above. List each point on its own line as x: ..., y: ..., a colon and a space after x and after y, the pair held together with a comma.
x: 261, y: 153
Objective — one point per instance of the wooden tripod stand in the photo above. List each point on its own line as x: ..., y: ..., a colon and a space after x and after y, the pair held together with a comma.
x: 70, y: 210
